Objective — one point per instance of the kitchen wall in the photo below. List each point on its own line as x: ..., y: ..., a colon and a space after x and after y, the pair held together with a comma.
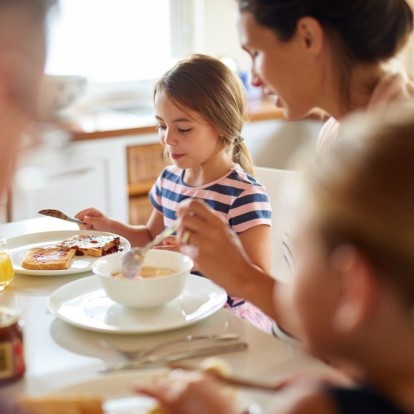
x: 216, y: 30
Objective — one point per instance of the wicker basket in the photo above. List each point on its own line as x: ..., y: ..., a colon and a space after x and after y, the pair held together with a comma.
x: 140, y: 209
x: 145, y: 162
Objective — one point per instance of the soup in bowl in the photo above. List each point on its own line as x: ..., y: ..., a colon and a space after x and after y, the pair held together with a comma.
x: 161, y: 280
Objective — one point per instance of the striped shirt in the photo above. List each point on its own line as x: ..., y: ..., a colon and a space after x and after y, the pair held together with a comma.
x: 241, y: 200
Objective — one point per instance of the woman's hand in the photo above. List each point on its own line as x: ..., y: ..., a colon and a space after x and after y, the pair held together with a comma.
x: 95, y: 220
x: 189, y: 392
x: 214, y: 247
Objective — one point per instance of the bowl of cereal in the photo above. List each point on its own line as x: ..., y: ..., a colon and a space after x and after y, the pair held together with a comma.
x: 162, y: 278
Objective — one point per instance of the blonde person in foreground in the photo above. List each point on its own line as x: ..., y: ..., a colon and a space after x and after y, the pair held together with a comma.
x: 309, y: 54
x: 200, y: 106
x: 22, y: 59
x: 353, y: 287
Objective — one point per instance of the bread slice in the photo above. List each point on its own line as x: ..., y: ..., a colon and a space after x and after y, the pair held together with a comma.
x: 92, y: 244
x: 48, y: 258
x: 60, y: 405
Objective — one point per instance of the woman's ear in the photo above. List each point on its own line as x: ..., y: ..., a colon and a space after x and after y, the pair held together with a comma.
x: 358, y: 287
x: 311, y: 34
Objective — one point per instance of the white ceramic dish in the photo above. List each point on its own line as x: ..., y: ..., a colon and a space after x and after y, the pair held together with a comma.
x: 118, y: 395
x: 146, y: 292
x: 20, y: 245
x: 83, y: 303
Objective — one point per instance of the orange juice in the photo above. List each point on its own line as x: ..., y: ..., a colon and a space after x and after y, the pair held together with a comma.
x: 6, y: 267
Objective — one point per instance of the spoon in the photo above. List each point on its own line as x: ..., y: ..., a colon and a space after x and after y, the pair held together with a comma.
x: 133, y: 258
x: 58, y: 214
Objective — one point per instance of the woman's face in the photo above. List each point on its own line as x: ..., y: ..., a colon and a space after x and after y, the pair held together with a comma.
x: 281, y: 68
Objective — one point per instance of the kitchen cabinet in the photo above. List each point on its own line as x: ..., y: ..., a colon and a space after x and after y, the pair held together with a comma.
x: 76, y: 176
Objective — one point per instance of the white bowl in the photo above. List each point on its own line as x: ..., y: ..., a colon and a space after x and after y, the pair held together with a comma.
x: 59, y: 92
x: 148, y: 292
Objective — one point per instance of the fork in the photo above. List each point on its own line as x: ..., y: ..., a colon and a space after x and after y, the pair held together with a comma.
x: 177, y: 356
x: 143, y: 352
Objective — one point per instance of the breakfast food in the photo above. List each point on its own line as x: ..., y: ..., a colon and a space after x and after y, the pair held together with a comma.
x: 92, y: 245
x: 59, y: 256
x: 147, y: 272
x: 60, y: 405
x: 50, y: 258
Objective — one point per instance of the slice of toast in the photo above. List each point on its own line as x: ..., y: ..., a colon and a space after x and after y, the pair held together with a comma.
x: 92, y: 244
x: 48, y: 258
x: 60, y: 405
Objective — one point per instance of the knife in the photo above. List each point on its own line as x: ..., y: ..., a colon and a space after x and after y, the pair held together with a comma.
x: 58, y: 214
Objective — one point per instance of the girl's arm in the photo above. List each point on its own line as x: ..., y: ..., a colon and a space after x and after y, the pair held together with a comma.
x: 137, y: 235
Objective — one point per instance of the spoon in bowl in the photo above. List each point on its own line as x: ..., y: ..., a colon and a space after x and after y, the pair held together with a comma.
x: 133, y: 258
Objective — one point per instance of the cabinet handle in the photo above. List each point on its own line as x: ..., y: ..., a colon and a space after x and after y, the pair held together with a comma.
x: 80, y: 171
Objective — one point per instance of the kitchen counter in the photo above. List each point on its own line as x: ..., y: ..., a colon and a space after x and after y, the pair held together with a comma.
x: 86, y: 123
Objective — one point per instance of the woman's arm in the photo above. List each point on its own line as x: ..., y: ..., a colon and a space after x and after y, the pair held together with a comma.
x: 219, y: 254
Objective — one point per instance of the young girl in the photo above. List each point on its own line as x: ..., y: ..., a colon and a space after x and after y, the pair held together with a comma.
x: 308, y: 54
x: 353, y: 288
x: 200, y: 106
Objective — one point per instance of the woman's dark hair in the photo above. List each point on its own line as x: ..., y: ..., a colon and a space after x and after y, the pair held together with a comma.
x: 365, y: 31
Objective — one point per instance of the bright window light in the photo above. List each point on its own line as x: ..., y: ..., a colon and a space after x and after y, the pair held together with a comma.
x: 111, y: 40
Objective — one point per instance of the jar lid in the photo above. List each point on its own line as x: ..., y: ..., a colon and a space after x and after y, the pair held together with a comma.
x: 8, y: 317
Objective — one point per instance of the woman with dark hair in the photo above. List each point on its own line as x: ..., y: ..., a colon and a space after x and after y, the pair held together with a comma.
x: 309, y: 54
x: 313, y: 54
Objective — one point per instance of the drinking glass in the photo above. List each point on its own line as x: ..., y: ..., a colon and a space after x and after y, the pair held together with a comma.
x: 6, y: 267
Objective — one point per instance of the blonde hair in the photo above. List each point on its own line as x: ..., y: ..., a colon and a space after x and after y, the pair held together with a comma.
x: 208, y: 86
x: 363, y: 187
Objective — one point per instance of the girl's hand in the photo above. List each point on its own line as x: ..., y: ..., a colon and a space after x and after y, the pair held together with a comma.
x: 94, y: 219
x: 189, y: 392
x: 214, y: 247
x: 171, y: 243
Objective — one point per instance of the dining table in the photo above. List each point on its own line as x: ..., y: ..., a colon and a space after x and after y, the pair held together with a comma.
x: 61, y: 356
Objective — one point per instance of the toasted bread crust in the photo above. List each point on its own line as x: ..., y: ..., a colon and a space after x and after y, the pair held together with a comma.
x: 50, y: 258
x: 92, y: 245
x: 60, y: 405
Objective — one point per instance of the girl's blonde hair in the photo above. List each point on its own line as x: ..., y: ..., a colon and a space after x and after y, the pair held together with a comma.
x: 206, y: 85
x: 363, y: 186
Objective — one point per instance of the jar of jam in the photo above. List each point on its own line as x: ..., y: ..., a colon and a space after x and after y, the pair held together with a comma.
x: 12, y: 366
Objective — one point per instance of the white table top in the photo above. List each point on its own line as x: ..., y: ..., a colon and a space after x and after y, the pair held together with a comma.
x: 58, y: 354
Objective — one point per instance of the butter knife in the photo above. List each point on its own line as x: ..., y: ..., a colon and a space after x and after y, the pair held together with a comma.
x: 58, y: 214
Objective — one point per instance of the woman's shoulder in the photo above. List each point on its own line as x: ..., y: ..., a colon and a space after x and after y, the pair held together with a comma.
x: 392, y: 87
x: 328, y: 133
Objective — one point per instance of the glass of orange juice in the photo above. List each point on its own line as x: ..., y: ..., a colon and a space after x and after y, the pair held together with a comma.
x: 6, y: 267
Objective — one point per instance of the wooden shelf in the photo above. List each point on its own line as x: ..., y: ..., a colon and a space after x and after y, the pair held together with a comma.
x: 139, y: 189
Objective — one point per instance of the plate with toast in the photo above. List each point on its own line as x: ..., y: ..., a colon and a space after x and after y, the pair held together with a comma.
x: 62, y: 252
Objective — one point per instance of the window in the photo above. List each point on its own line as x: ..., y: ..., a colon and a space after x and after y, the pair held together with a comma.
x: 118, y: 40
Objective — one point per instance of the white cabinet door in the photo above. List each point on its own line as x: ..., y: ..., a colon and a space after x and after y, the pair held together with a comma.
x: 70, y: 190
x: 77, y: 176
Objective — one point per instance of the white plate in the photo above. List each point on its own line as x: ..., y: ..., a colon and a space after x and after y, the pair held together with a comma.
x: 83, y: 303
x: 116, y: 390
x: 19, y: 246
